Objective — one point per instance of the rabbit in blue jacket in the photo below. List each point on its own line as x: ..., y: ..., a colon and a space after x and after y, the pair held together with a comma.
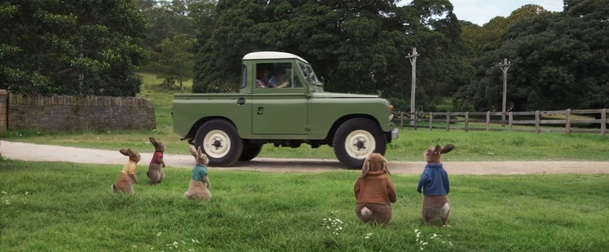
x: 435, y: 186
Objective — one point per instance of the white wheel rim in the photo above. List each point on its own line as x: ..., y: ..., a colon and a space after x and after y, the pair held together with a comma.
x: 359, y: 144
x: 216, y: 144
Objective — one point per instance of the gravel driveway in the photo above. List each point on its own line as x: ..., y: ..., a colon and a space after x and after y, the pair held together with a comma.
x: 39, y: 152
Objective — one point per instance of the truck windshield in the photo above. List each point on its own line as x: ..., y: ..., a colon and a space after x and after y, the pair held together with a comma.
x: 309, y: 74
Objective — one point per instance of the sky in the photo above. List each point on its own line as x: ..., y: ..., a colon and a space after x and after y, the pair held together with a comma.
x: 481, y: 11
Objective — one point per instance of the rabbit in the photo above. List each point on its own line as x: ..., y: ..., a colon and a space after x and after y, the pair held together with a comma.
x: 374, y: 191
x: 128, y: 176
x: 155, y: 169
x: 435, y: 185
x: 199, y: 187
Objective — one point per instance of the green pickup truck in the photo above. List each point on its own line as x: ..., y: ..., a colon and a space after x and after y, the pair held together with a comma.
x: 232, y: 127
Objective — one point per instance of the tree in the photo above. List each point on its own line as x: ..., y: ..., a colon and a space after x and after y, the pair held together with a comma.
x: 174, y: 61
x: 357, y: 46
x: 559, y: 61
x: 88, y: 47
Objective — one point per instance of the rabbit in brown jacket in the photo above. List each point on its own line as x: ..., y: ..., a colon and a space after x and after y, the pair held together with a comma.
x: 155, y: 169
x: 435, y: 184
x: 199, y: 187
x: 374, y: 191
x: 128, y: 176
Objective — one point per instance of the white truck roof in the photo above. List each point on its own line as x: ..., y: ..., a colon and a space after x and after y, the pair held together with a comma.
x: 272, y: 55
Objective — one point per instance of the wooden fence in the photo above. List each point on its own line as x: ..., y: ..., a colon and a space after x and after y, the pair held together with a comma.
x: 567, y: 121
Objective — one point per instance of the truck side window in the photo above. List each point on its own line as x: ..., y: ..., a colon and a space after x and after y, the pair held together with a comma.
x: 262, y: 75
x: 282, y: 75
x: 244, y: 76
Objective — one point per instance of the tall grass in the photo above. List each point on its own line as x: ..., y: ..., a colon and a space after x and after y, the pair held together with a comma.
x: 478, y: 145
x: 69, y: 207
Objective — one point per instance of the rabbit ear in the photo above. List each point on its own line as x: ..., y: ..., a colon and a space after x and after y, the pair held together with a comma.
x: 366, y: 167
x: 202, y: 157
x: 194, y: 152
x: 386, y: 166
x: 152, y: 141
x: 125, y: 152
x: 437, y: 149
x: 447, y: 148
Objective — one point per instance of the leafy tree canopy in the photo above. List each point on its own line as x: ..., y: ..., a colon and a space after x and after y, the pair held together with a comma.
x: 71, y: 47
x: 357, y: 46
x: 559, y: 60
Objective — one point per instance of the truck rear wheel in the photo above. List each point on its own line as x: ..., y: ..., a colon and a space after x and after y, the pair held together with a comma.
x: 220, y: 141
x: 250, y: 151
x: 357, y: 138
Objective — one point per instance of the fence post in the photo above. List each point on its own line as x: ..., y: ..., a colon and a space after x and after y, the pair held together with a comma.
x: 416, y: 120
x: 402, y: 119
x: 568, y: 121
x: 3, y: 110
x: 511, y: 118
x: 537, y: 122
x: 466, y: 121
x: 430, y: 120
x: 488, y: 119
x: 447, y: 121
x: 604, y: 122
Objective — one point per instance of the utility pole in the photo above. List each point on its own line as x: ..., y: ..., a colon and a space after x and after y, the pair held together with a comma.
x: 504, y: 68
x: 413, y: 62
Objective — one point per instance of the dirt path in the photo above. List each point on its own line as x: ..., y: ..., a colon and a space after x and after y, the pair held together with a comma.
x: 38, y: 152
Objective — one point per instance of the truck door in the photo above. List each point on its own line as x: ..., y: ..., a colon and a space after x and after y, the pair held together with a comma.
x: 281, y: 107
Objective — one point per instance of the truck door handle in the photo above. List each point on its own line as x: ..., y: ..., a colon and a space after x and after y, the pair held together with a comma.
x: 260, y: 110
x: 240, y: 101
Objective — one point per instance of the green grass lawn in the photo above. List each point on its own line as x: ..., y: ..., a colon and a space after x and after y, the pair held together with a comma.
x: 49, y: 206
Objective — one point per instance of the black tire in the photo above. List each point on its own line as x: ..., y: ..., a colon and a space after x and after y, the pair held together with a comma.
x: 250, y: 151
x: 220, y: 141
x: 357, y: 138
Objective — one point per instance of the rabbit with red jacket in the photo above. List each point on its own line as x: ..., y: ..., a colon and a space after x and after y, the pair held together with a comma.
x: 155, y: 169
x: 374, y: 191
x: 435, y: 186
x: 128, y: 176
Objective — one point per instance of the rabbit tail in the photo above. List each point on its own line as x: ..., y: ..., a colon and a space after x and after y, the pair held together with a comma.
x: 198, y: 190
x: 366, y: 212
x: 123, y: 185
x: 371, y: 212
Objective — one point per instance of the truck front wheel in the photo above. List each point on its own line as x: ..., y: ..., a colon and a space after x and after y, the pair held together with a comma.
x: 357, y: 138
x: 220, y: 141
